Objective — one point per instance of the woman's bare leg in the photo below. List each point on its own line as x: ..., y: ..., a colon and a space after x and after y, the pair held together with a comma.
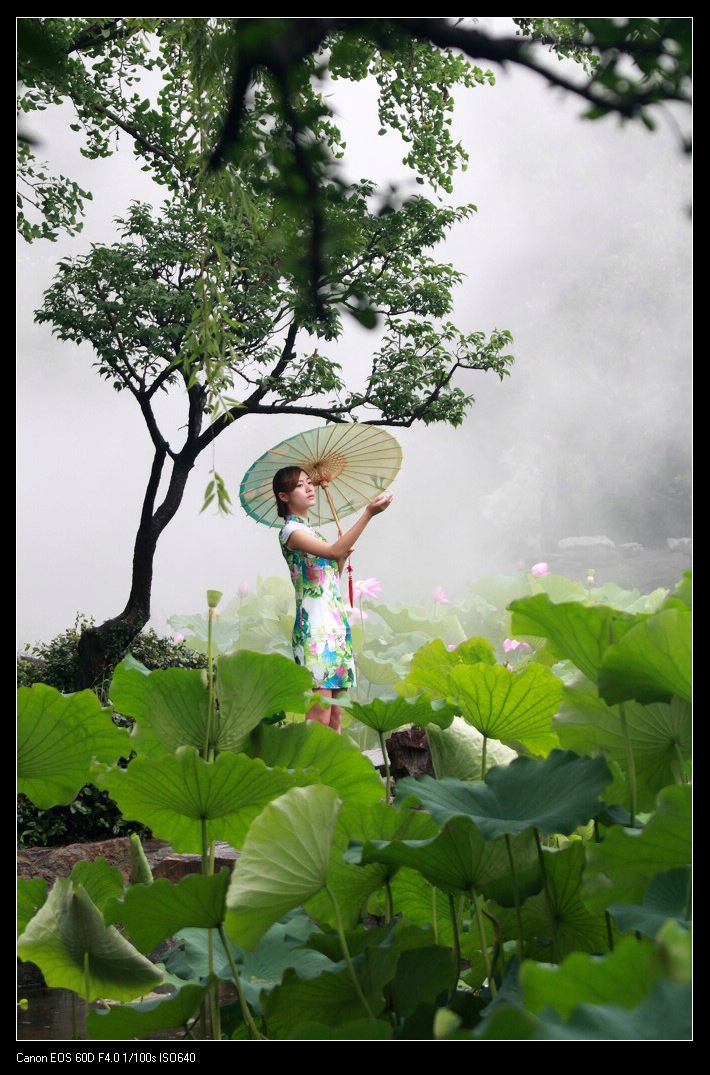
x: 321, y: 712
x: 335, y: 714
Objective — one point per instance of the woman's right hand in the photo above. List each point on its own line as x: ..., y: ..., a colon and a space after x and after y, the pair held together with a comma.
x: 379, y: 504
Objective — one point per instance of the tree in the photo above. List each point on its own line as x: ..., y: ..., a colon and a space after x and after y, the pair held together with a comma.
x: 260, y: 249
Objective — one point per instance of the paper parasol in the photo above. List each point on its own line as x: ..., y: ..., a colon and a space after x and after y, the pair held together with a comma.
x: 349, y: 464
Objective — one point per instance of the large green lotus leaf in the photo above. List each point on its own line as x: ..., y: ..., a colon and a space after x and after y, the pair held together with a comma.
x: 284, y: 861
x: 665, y: 1015
x: 263, y: 969
x: 423, y: 904
x: 73, y: 947
x: 58, y: 736
x: 682, y: 593
x: 622, y: 977
x: 376, y: 955
x: 150, y: 913
x: 122, y: 1022
x: 422, y: 975
x: 507, y: 705
x: 387, y: 714
x: 629, y: 600
x: 580, y: 633
x: 460, y: 860
x: 253, y: 686
x: 432, y: 664
x: 331, y: 998
x: 458, y: 751
x: 404, y: 622
x: 621, y: 867
x: 560, y: 908
x: 31, y: 894
x: 556, y: 795
x: 177, y: 794
x: 660, y: 736
x: 169, y: 706
x: 379, y: 670
x: 652, y: 662
x: 668, y: 897
x: 101, y: 882
x: 323, y: 756
x: 354, y: 884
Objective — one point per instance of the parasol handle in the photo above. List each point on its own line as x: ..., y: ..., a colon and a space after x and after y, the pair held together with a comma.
x: 324, y: 486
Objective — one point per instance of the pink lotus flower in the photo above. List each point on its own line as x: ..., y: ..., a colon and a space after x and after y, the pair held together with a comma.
x: 513, y: 644
x: 178, y: 638
x: 538, y: 571
x: 440, y: 596
x: 243, y: 588
x: 367, y: 588
x: 356, y: 614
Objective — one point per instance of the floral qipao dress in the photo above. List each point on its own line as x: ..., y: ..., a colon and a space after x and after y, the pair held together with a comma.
x: 321, y: 634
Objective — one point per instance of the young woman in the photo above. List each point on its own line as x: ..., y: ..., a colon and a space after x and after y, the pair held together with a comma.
x: 321, y: 633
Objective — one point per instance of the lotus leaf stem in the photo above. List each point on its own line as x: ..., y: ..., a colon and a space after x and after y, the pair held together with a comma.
x: 246, y: 1012
x: 548, y: 898
x: 456, y: 947
x: 484, y: 942
x: 389, y: 903
x: 388, y: 778
x: 346, y: 953
x: 516, y: 896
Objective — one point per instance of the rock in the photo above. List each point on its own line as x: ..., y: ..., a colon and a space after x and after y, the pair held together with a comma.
x: 598, y: 543
x: 409, y: 755
x: 630, y: 548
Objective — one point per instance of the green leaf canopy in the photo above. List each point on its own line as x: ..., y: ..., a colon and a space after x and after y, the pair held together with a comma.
x: 512, y: 706
x: 651, y: 662
x: 555, y: 795
x: 283, y: 863
x: 355, y: 883
x: 387, y: 714
x: 580, y: 633
x: 150, y: 913
x: 177, y: 794
x: 659, y: 734
x: 58, y: 735
x: 623, y: 977
x: 621, y: 868
x: 461, y: 860
x: 322, y: 757
x: 170, y: 706
x: 433, y: 663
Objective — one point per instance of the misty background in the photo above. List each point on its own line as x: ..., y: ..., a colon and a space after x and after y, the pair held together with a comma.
x: 581, y: 247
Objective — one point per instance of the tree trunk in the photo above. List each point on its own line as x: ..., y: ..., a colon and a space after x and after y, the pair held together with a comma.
x: 101, y: 648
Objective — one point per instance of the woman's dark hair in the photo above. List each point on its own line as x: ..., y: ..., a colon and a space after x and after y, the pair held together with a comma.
x: 284, y: 481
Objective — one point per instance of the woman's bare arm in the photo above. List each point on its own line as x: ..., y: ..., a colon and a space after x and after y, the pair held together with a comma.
x: 341, y: 548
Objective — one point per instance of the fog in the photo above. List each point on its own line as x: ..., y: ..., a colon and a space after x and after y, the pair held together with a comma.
x: 580, y: 247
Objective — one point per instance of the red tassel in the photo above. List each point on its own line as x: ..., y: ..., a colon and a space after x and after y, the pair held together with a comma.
x: 350, y: 583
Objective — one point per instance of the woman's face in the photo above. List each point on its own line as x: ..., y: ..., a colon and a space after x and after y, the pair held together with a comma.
x: 302, y: 496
